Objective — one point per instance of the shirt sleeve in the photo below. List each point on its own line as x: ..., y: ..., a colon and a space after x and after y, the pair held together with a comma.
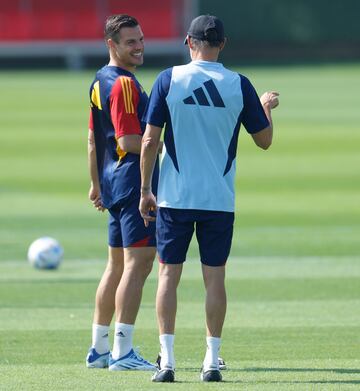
x: 156, y: 110
x: 253, y: 115
x: 124, y: 99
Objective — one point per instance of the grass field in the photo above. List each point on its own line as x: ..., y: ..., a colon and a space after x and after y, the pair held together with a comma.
x: 293, y: 278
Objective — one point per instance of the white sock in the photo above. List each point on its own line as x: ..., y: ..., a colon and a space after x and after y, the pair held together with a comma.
x: 212, y: 353
x: 100, y: 338
x: 123, y: 340
x: 167, y: 351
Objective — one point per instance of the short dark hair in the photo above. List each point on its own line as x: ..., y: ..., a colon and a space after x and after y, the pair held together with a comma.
x: 203, y: 43
x: 115, y: 23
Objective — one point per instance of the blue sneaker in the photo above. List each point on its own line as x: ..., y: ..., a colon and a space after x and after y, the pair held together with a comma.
x: 96, y: 360
x: 130, y: 362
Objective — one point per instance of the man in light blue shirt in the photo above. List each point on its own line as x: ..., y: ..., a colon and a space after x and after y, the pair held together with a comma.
x: 202, y: 105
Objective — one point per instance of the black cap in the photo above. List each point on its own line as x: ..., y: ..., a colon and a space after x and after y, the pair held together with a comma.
x: 206, y: 28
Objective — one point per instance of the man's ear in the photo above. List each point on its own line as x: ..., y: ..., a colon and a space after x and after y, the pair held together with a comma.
x: 222, y: 45
x: 110, y: 43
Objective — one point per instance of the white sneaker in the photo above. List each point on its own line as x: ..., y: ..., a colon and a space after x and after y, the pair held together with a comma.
x: 130, y: 362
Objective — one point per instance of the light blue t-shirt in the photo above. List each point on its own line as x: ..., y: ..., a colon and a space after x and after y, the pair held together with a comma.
x: 203, y: 105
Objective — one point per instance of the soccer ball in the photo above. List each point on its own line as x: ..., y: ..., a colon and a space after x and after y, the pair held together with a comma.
x: 45, y: 253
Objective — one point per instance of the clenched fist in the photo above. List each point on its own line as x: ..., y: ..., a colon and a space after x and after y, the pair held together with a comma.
x: 270, y: 99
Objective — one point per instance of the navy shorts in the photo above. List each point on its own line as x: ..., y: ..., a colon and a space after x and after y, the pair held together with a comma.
x: 175, y: 228
x: 126, y: 226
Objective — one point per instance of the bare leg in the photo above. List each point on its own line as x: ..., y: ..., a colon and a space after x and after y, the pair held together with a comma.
x: 105, y: 294
x: 137, y: 266
x: 104, y: 308
x: 166, y: 304
x: 166, y: 300
x: 214, y: 280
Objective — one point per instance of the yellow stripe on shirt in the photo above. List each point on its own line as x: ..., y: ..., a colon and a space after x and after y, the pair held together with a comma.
x: 95, y: 95
x: 123, y: 89
x: 132, y: 110
x: 127, y: 94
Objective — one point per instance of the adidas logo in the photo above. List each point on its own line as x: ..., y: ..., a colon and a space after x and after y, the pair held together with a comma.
x: 201, y: 97
x: 120, y: 334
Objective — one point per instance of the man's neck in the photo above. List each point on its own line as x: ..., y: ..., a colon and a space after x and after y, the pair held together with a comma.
x: 210, y: 56
x: 115, y: 63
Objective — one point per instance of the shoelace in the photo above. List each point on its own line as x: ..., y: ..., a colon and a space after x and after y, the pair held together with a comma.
x: 138, y: 356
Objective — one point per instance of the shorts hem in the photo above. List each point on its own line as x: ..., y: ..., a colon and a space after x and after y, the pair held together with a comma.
x: 113, y: 245
x: 213, y: 265
x: 170, y: 263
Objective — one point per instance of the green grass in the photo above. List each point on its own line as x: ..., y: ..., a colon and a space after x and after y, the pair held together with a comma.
x: 301, y: 197
x: 293, y: 278
x: 293, y: 328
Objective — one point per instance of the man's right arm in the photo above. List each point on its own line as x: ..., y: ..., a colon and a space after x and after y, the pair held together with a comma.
x: 149, y: 150
x: 94, y: 192
x: 155, y: 115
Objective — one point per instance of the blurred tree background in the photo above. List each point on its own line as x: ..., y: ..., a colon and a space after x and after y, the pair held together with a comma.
x: 283, y: 30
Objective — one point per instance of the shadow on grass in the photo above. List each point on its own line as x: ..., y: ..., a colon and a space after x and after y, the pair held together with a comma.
x: 258, y: 369
x: 305, y: 382
x: 336, y: 370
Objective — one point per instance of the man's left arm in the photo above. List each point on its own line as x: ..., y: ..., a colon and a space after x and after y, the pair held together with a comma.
x: 256, y: 114
x: 269, y: 100
x: 124, y: 100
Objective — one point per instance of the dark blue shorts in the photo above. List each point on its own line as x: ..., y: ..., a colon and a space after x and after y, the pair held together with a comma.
x: 126, y: 226
x: 175, y: 228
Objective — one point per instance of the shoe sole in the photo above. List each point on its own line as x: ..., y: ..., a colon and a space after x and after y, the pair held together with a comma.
x: 131, y: 369
x: 98, y: 365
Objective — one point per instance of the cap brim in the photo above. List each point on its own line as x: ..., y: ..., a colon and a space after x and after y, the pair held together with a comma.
x: 185, y: 40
